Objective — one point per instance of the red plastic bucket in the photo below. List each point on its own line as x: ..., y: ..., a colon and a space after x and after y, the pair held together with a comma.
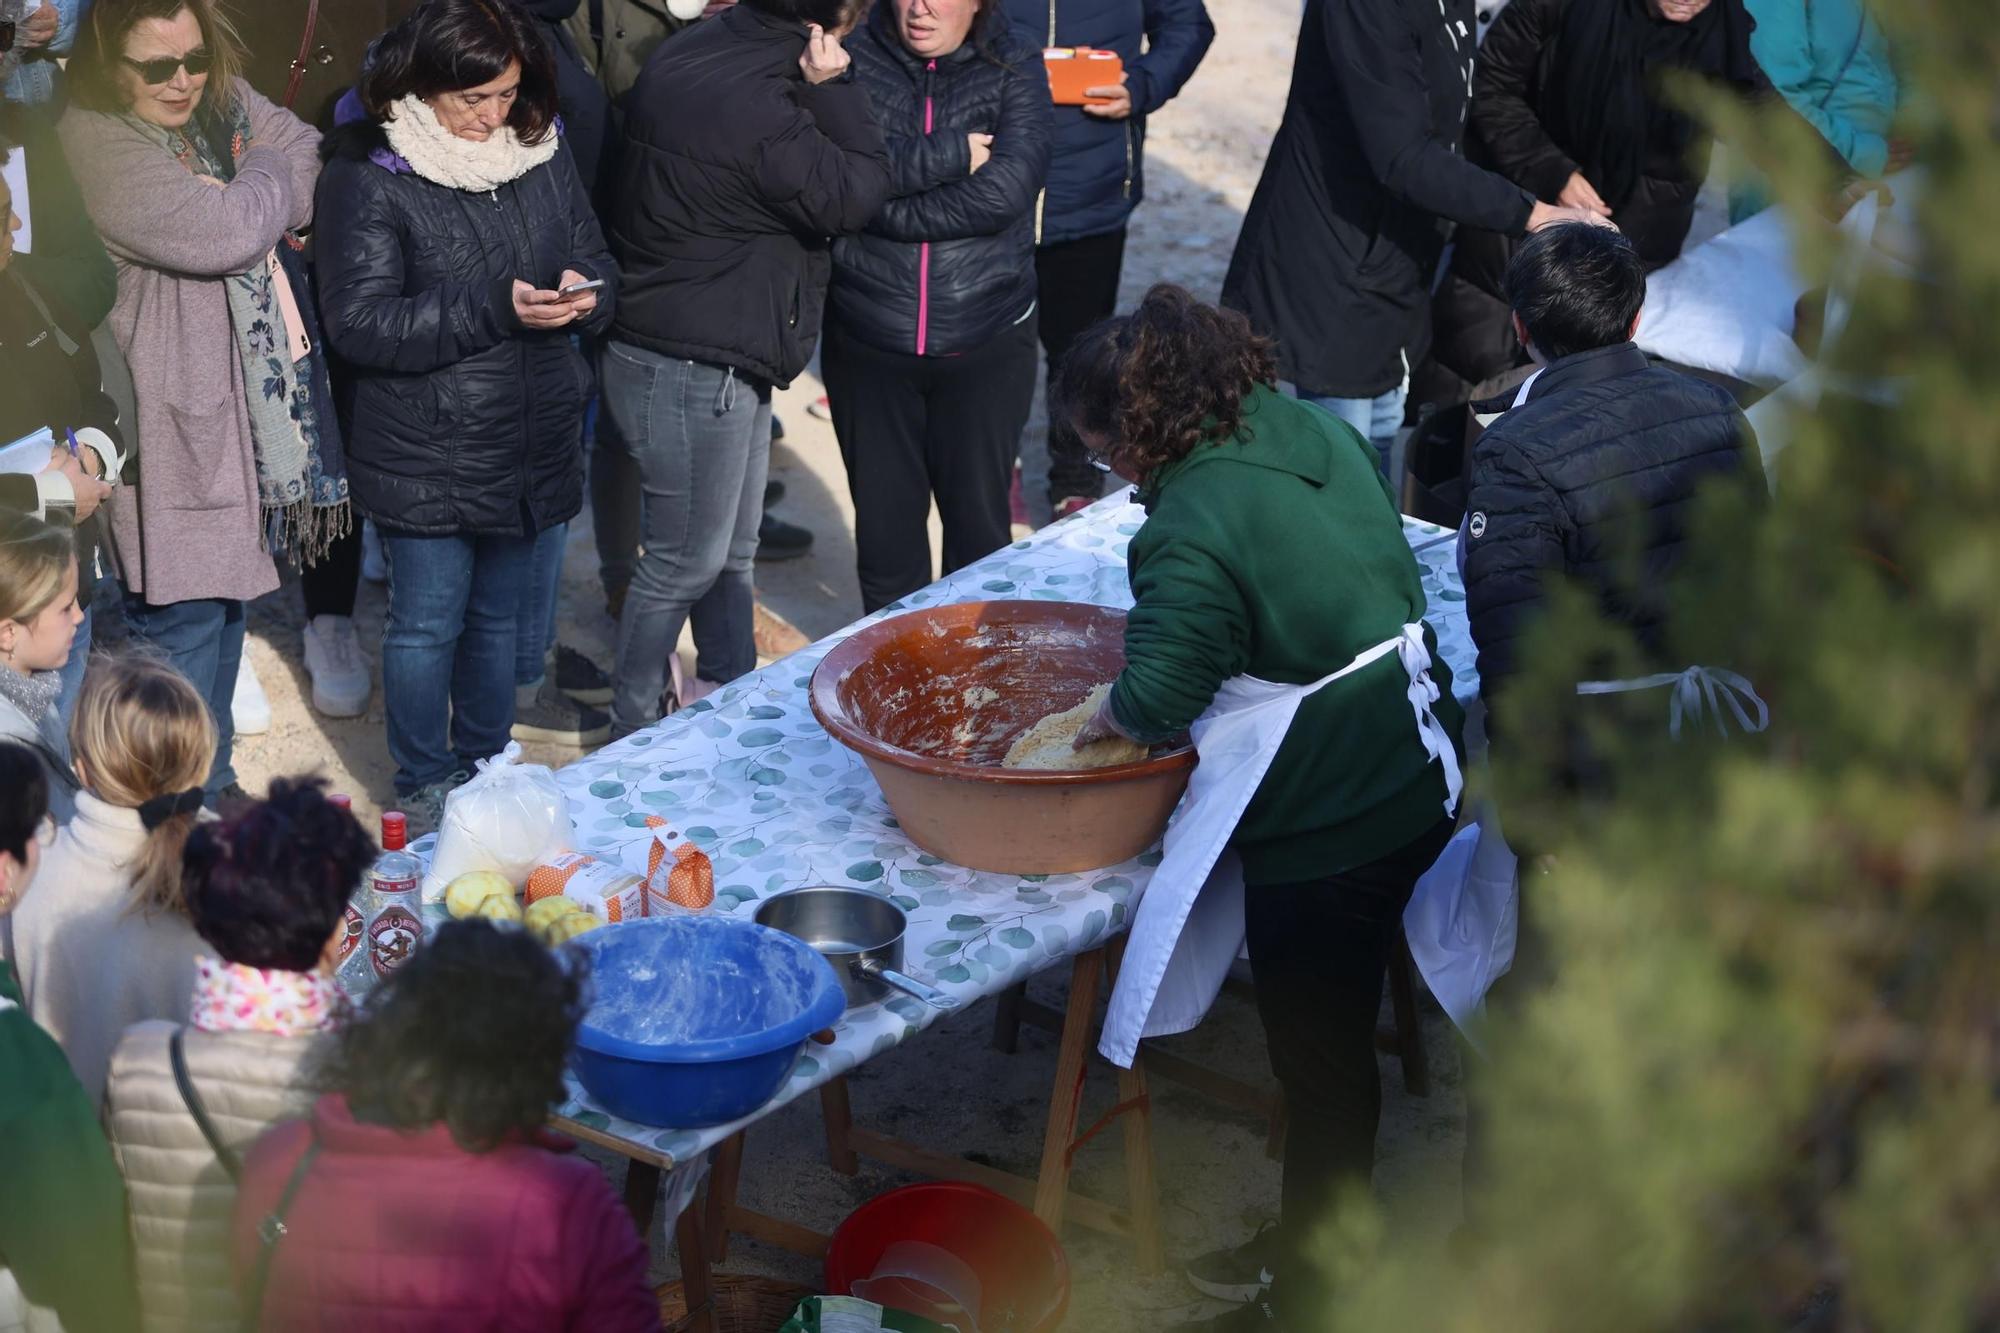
x: 1020, y: 1267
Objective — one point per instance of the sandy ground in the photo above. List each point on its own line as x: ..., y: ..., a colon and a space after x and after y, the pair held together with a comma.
x: 949, y: 1090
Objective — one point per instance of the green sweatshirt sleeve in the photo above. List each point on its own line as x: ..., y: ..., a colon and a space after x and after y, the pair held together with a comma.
x: 70, y: 265
x: 1187, y: 633
x: 62, y: 1214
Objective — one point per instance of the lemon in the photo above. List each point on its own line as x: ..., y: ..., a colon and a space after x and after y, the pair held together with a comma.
x: 567, y: 928
x: 465, y: 895
x: 544, y: 914
x: 500, y: 907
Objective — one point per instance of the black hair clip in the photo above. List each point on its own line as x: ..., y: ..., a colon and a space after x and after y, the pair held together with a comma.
x: 162, y: 808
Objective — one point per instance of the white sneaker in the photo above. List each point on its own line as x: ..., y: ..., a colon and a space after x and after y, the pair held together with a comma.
x: 341, y: 683
x: 374, y: 565
x: 249, y: 709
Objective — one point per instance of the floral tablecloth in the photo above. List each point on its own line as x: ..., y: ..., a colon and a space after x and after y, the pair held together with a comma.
x: 751, y: 777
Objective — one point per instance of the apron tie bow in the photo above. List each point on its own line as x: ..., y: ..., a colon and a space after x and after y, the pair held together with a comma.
x: 1697, y: 691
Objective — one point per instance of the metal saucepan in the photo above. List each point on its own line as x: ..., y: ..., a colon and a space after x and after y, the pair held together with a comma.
x: 861, y: 934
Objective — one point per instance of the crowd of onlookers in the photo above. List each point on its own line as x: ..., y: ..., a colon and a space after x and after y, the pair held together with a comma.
x: 303, y: 294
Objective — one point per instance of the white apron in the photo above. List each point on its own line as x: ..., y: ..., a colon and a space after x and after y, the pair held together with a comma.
x: 1189, y: 926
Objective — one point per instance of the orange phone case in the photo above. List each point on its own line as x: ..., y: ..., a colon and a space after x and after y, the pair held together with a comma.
x: 1074, y: 68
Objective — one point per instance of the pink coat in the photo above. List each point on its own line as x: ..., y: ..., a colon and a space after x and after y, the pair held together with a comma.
x: 405, y: 1232
x: 193, y: 526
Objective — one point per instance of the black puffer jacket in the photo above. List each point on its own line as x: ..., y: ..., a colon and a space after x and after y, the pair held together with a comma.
x: 733, y: 173
x: 461, y: 420
x: 950, y: 259
x: 1593, y: 477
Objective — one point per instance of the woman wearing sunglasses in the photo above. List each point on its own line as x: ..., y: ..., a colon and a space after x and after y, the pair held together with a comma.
x: 198, y: 184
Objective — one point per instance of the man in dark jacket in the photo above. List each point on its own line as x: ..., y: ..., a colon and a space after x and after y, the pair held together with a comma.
x: 1097, y: 175
x: 1361, y: 188
x: 1592, y: 474
x: 747, y: 148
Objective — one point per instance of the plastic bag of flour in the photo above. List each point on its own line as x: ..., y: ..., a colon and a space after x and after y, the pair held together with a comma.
x: 507, y: 819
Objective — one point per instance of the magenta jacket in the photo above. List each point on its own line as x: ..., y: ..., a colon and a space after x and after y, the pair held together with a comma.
x: 408, y: 1232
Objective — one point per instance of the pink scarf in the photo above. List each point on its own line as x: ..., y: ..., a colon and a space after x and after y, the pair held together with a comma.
x: 230, y: 997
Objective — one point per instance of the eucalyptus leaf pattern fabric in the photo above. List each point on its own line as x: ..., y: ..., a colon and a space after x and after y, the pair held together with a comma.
x: 749, y: 775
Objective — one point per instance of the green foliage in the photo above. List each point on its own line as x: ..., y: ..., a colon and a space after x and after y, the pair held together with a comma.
x: 1762, y: 1078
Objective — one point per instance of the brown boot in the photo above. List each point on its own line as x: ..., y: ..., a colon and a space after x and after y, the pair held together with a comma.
x: 776, y: 637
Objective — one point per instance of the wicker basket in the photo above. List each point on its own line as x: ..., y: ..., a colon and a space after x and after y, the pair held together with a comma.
x: 741, y: 1304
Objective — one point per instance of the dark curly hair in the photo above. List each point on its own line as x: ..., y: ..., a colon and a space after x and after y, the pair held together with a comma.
x: 472, y: 1032
x: 1167, y: 377
x: 447, y: 46
x: 267, y: 886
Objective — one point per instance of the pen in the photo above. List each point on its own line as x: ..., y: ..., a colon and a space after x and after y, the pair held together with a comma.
x: 74, y: 451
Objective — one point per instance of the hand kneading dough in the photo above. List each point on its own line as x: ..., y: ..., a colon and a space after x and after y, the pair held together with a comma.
x: 1048, y: 744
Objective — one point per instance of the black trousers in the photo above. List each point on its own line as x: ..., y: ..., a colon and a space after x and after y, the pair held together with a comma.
x: 1079, y: 286
x: 329, y: 585
x: 913, y: 427
x: 1320, y: 952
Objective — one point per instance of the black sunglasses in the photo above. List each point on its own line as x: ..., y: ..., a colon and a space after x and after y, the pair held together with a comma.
x: 156, y: 72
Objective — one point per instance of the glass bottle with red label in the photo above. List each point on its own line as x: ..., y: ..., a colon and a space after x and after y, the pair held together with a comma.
x: 395, y: 906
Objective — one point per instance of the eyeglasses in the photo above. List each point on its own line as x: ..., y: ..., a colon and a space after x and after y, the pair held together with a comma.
x: 156, y: 72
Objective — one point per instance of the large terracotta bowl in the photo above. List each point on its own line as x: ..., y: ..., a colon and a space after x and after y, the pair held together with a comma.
x: 932, y: 699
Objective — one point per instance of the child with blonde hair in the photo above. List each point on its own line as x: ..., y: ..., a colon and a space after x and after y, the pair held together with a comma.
x: 105, y: 940
x: 38, y: 619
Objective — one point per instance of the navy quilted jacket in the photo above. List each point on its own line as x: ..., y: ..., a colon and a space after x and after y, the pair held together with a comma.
x: 1097, y: 172
x: 1593, y: 478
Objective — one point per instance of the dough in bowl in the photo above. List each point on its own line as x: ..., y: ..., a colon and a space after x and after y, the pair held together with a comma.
x: 1049, y: 743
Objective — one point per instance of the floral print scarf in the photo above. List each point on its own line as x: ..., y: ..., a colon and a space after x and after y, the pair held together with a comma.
x: 233, y: 997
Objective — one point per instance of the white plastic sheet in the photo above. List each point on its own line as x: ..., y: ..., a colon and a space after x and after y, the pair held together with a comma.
x: 508, y: 819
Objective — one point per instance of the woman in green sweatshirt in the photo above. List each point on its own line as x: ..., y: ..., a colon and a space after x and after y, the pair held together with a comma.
x: 1272, y: 574
x: 62, y: 1207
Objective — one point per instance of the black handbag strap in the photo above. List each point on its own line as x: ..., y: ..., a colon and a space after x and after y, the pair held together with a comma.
x: 269, y: 1232
x: 177, y: 1053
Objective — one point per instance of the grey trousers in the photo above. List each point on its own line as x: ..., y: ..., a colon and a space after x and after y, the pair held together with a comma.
x: 700, y: 437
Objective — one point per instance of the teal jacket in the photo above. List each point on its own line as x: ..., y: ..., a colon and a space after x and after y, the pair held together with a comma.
x: 62, y: 1203
x: 1830, y: 59
x: 1277, y: 553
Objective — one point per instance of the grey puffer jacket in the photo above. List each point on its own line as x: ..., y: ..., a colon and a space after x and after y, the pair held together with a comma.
x: 950, y: 260
x: 181, y: 1196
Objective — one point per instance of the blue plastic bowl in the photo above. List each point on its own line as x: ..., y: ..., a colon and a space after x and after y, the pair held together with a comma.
x: 697, y: 1020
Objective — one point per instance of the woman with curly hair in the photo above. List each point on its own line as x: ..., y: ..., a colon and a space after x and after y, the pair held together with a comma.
x: 423, y: 1191
x: 267, y: 890
x: 1279, y: 614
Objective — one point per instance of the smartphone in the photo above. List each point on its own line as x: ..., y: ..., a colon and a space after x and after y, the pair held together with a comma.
x: 578, y: 288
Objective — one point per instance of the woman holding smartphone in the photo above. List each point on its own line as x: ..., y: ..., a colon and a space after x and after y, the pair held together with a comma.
x: 458, y: 253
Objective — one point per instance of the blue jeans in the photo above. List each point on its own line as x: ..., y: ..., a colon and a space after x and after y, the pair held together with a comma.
x: 448, y: 650
x: 72, y: 670
x: 1378, y: 419
x: 701, y: 437
x: 538, y: 606
x: 203, y: 640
